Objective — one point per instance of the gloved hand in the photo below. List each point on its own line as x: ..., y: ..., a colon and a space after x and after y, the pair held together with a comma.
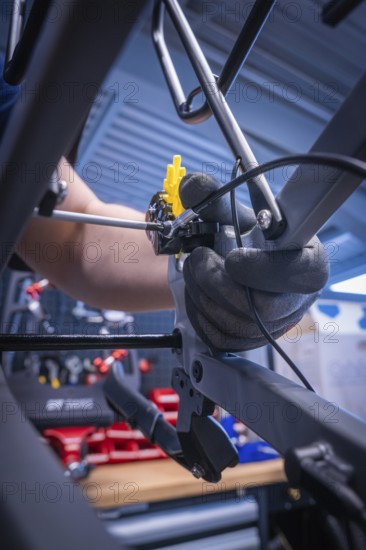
x: 284, y: 283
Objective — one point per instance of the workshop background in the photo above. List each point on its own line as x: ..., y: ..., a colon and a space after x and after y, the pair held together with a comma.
x: 295, y: 78
x: 293, y: 81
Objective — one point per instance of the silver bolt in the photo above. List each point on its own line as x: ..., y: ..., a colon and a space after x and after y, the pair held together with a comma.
x: 264, y: 219
x: 77, y: 470
x: 197, y: 471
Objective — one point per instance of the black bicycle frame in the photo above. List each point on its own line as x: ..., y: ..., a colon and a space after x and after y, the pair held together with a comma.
x: 38, y: 134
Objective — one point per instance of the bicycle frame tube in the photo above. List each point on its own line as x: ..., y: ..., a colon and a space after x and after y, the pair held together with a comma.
x: 310, y: 197
x: 283, y: 413
x: 29, y: 519
x: 38, y: 134
x: 40, y: 131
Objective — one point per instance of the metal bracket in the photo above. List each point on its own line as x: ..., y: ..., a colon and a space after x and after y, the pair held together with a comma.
x: 206, y: 446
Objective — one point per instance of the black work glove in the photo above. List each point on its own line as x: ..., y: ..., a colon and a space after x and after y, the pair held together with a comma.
x: 284, y: 283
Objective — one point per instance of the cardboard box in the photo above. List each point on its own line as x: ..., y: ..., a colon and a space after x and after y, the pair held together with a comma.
x: 329, y: 347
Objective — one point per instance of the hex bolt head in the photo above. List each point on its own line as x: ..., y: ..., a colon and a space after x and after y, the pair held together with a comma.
x: 197, y: 371
x: 197, y: 471
x: 264, y: 219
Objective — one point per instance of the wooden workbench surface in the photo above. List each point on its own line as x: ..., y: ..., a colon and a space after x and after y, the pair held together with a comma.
x: 151, y: 481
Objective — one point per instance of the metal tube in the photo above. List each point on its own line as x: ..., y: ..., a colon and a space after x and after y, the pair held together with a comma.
x: 237, y: 57
x: 78, y: 217
x: 167, y: 65
x: 283, y: 413
x: 27, y: 342
x: 245, y: 42
x: 312, y: 195
x: 260, y: 192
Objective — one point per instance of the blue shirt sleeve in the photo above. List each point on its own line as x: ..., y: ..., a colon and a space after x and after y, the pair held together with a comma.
x: 8, y: 97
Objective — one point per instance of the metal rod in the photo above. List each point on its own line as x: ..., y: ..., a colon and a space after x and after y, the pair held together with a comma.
x: 61, y: 215
x: 248, y: 35
x: 243, y: 46
x: 260, y: 192
x: 27, y: 342
x: 240, y: 51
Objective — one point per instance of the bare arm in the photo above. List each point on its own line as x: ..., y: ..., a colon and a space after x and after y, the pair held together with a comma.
x: 106, y: 267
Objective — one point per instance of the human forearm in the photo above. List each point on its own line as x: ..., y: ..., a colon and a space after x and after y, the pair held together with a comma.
x: 105, y: 266
x: 119, y: 266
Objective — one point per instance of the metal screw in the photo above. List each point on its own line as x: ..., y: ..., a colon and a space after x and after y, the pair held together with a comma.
x: 264, y: 219
x: 197, y: 471
x: 197, y: 371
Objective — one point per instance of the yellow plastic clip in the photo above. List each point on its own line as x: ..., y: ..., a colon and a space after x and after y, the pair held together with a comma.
x: 174, y: 174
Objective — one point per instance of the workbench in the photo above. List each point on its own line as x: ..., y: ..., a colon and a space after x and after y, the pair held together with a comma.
x: 151, y: 481
x: 158, y: 504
